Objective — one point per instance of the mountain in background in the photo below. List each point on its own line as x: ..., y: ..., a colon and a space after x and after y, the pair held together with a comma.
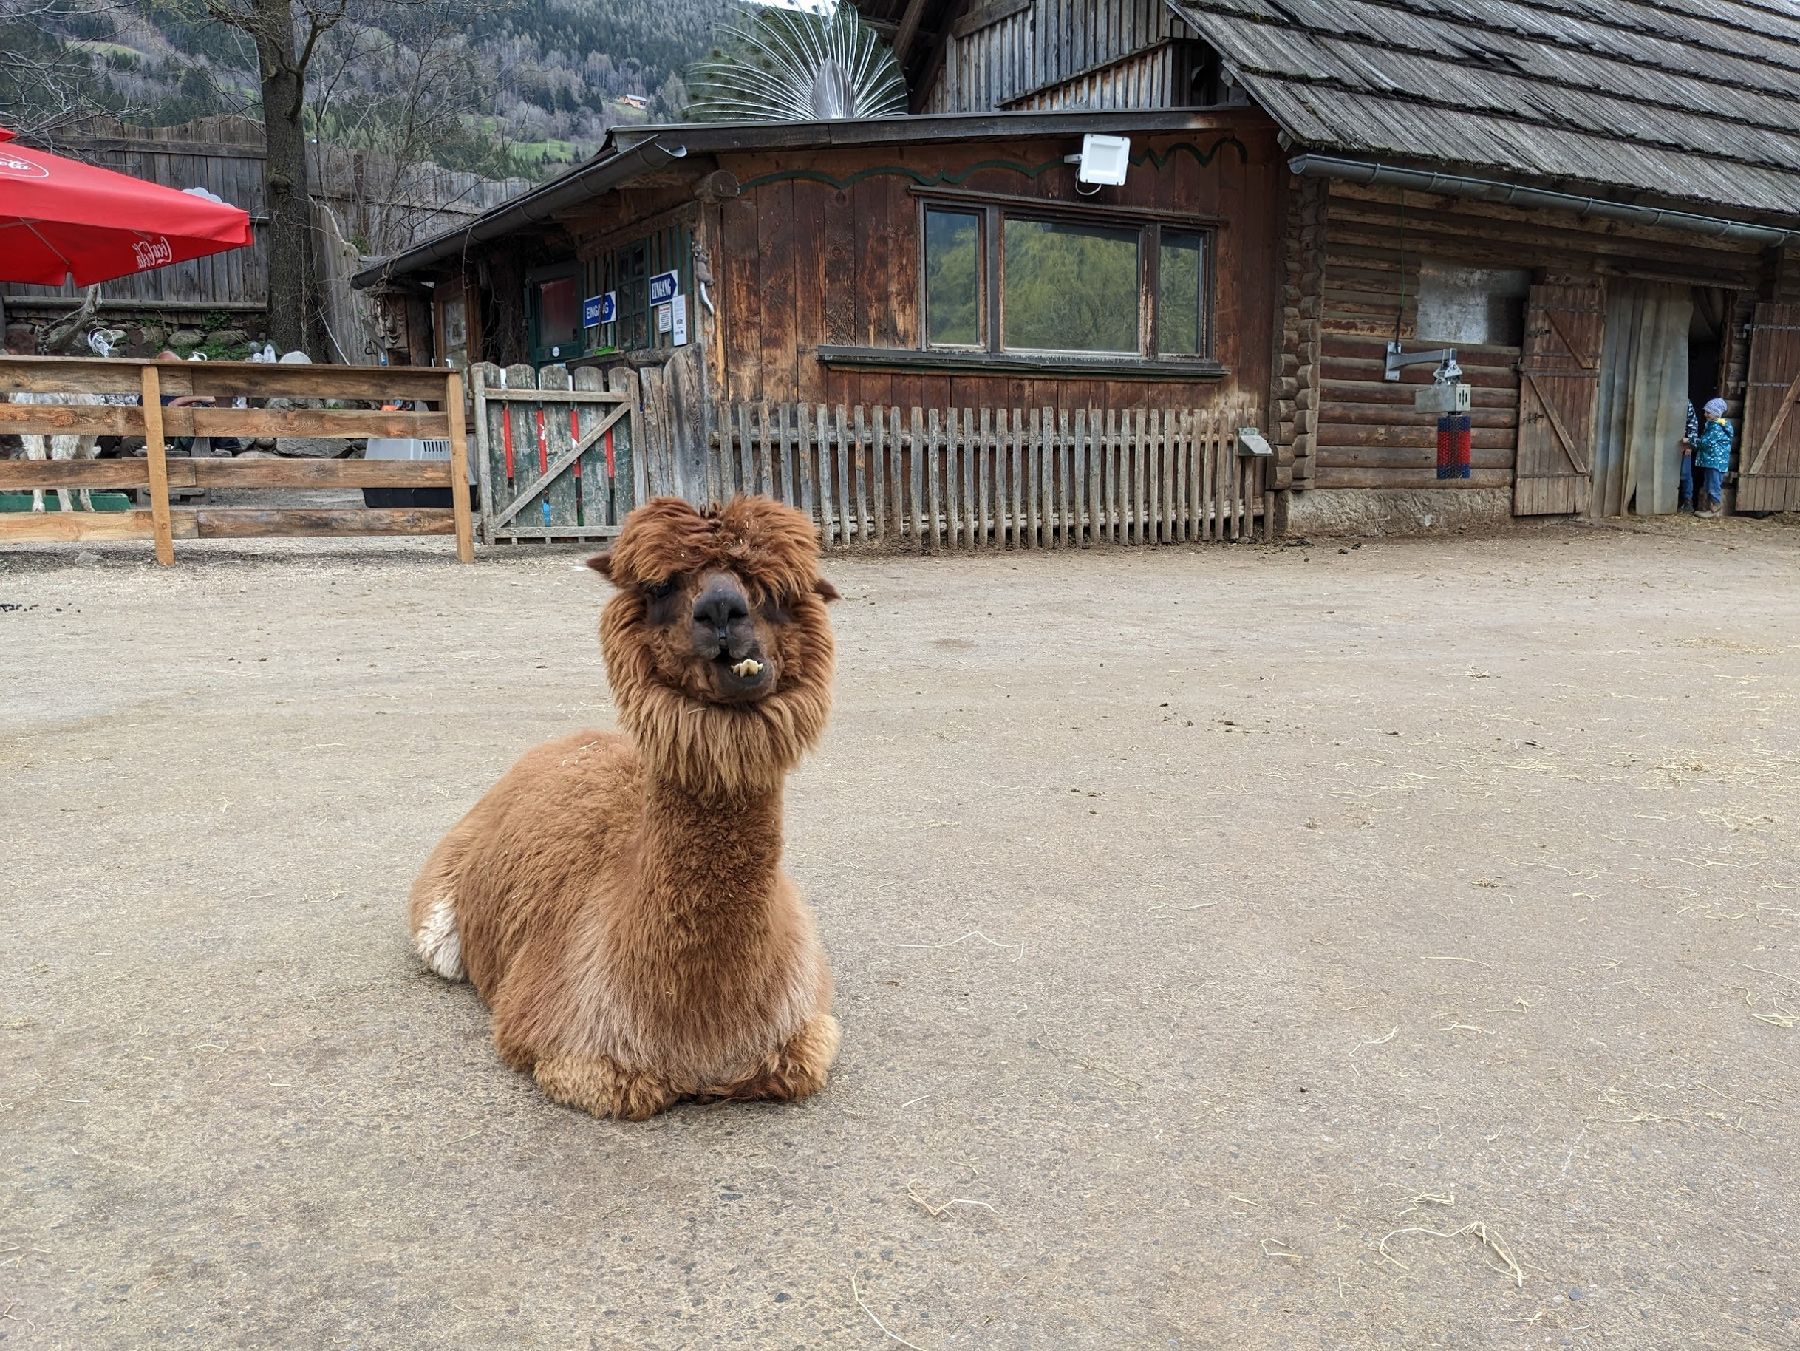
x: 518, y: 88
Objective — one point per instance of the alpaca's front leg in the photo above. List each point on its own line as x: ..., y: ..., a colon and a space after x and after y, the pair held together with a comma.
x: 603, y: 1087
x: 797, y: 1070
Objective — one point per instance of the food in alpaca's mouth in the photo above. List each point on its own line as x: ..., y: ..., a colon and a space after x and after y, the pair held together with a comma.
x: 748, y: 667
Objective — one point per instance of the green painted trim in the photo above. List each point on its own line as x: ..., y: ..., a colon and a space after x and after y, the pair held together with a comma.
x: 1156, y: 159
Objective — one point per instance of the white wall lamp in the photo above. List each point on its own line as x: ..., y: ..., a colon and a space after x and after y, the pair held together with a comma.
x: 1102, y: 162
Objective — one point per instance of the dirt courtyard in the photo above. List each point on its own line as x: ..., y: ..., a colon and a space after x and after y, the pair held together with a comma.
x: 1391, y: 946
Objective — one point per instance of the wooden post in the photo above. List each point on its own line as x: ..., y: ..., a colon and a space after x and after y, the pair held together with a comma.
x: 156, y: 453
x: 459, y: 467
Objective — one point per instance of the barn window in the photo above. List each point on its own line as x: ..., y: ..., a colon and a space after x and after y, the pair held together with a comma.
x: 1038, y: 280
x: 1181, y: 293
x: 553, y: 302
x: 953, y: 278
x: 1069, y: 288
x: 1479, y: 305
x: 624, y: 269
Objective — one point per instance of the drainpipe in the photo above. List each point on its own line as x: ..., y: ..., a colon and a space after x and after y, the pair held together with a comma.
x: 1512, y: 194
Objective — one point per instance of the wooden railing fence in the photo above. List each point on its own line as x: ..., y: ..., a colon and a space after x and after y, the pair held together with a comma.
x: 91, y: 380
x: 997, y: 478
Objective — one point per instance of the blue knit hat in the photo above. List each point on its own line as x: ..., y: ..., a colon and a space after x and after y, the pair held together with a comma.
x: 1715, y: 408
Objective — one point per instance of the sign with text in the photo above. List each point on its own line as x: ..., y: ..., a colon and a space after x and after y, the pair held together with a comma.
x: 597, y: 310
x: 663, y: 287
x: 678, y: 321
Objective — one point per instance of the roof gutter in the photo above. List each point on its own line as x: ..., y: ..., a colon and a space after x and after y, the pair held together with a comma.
x: 1512, y: 194
x: 540, y: 204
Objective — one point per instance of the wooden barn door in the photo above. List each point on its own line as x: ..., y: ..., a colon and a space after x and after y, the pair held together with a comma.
x: 1769, y: 448
x: 1559, y: 378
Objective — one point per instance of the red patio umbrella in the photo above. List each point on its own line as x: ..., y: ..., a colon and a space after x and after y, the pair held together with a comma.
x: 64, y: 220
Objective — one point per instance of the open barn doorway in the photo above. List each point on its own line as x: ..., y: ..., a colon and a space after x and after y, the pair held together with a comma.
x: 1706, y: 344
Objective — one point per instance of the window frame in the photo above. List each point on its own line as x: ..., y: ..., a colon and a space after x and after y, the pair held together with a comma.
x: 982, y: 326
x: 992, y: 212
x: 540, y: 353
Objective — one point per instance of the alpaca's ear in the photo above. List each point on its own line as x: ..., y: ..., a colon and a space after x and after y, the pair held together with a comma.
x: 602, y: 564
x: 825, y: 590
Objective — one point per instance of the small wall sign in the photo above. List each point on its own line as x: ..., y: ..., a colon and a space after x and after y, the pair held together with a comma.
x: 663, y: 287
x: 678, y: 321
x: 597, y: 310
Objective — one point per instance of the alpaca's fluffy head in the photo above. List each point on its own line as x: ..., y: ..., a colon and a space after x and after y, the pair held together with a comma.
x: 717, y: 643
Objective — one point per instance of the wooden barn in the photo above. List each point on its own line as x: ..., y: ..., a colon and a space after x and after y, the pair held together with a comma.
x: 1593, y: 212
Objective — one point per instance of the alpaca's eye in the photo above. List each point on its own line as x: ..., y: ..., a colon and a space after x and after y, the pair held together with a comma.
x: 660, y: 591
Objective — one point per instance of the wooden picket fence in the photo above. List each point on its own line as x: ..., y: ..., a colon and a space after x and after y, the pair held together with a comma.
x: 997, y: 478
x: 125, y: 398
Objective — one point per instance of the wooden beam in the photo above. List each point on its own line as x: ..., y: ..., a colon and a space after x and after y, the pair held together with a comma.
x: 226, y: 523
x: 464, y: 527
x: 317, y: 423
x: 258, y: 523
x: 220, y: 379
x: 156, y: 457
x: 75, y: 526
x: 934, y: 61
x: 16, y: 475
x: 907, y: 31
x: 238, y: 474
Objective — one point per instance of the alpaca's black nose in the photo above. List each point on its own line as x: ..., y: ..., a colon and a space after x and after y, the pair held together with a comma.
x: 719, y: 607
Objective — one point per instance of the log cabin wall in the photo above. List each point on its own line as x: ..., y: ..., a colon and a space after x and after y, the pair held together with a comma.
x: 1294, y: 395
x: 1376, y: 241
x: 827, y: 252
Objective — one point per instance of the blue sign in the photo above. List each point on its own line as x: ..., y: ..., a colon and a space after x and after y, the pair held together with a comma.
x: 597, y: 310
x: 663, y: 287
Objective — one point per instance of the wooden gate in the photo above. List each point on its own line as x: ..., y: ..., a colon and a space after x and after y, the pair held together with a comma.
x: 554, y: 455
x: 1559, y: 383
x: 1769, y: 454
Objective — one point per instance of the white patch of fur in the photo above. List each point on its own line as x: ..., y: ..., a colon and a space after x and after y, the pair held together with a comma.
x: 438, y: 943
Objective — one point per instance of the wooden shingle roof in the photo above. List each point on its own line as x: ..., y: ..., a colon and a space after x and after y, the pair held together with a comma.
x: 1692, y: 100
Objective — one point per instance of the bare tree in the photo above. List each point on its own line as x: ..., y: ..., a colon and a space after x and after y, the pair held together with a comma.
x: 286, y: 35
x: 44, y: 85
x: 401, y: 92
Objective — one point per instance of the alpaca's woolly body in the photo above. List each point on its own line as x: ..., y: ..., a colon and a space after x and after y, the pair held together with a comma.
x: 618, y: 900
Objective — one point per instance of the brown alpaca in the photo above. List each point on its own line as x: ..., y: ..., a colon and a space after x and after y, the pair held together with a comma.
x: 618, y: 901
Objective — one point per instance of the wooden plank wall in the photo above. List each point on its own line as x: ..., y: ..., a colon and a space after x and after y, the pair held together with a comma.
x: 1154, y: 78
x: 996, y: 478
x: 802, y: 263
x: 1004, y: 51
x: 1368, y: 434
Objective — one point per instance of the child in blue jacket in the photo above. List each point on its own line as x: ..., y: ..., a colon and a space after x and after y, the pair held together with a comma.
x: 1712, y: 457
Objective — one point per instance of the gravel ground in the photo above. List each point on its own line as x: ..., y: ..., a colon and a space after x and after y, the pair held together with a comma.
x: 1317, y: 946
